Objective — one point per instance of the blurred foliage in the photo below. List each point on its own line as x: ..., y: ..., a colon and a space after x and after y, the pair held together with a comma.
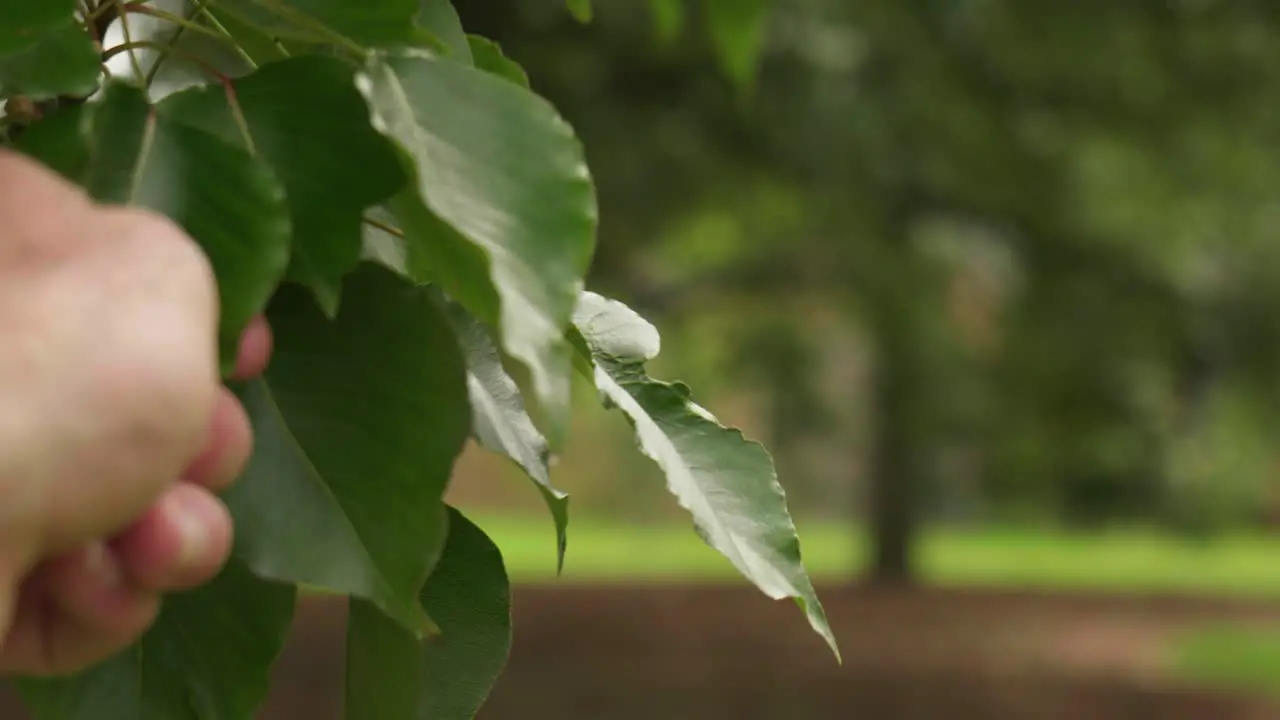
x: 1045, y: 230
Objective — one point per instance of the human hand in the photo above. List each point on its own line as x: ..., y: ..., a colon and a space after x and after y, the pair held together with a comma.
x: 115, y: 430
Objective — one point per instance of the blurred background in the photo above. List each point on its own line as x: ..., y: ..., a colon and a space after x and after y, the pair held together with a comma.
x: 997, y: 281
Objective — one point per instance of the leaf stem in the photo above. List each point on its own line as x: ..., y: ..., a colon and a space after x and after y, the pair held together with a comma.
x: 237, y: 115
x: 217, y: 24
x: 315, y: 26
x: 144, y: 152
x: 133, y: 55
x: 228, y: 85
x: 389, y: 229
x: 162, y: 48
x: 101, y: 10
x: 184, y: 24
x: 98, y: 18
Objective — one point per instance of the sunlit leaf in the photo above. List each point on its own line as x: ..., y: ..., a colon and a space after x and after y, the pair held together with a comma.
x: 503, y: 211
x: 208, y: 657
x: 726, y: 482
x: 305, y: 117
x: 448, y: 677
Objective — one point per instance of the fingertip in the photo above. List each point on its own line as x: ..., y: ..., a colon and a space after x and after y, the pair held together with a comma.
x: 229, y: 446
x: 256, y: 345
x: 180, y: 543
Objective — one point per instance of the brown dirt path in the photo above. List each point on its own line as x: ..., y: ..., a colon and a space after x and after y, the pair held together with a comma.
x: 618, y: 654
x: 726, y: 653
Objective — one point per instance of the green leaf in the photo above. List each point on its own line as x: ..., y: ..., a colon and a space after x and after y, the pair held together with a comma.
x: 441, y: 19
x: 384, y: 667
x: 738, y: 32
x: 581, y: 9
x: 358, y: 434
x: 371, y: 23
x: 668, y: 18
x: 726, y: 482
x: 62, y: 61
x: 449, y: 676
x: 382, y: 247
x: 503, y: 211
x: 305, y: 117
x: 259, y: 47
x: 228, y: 201
x: 500, y: 422
x: 488, y: 56
x: 24, y: 23
x: 207, y: 657
x: 320, y: 546
x: 60, y: 141
x: 470, y: 595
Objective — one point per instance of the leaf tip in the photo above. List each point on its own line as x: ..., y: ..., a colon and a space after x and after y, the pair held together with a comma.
x: 562, y: 549
x: 817, y: 617
x: 329, y: 300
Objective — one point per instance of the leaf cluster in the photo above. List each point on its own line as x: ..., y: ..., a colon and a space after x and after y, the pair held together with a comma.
x: 416, y: 223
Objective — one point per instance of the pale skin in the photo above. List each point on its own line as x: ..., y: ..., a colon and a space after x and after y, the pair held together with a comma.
x: 116, y: 432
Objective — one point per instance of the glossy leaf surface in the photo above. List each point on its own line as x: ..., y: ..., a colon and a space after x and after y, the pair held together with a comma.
x: 502, y: 210
x: 725, y: 481
x: 305, y: 118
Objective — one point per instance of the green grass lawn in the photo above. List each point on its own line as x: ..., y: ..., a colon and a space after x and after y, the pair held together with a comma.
x: 1232, y: 658
x: 1133, y: 560
x: 1229, y: 657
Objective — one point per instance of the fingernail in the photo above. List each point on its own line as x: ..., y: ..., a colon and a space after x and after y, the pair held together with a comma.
x: 191, y: 517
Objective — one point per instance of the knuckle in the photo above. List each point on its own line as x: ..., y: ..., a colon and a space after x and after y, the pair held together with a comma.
x: 173, y: 401
x: 175, y: 253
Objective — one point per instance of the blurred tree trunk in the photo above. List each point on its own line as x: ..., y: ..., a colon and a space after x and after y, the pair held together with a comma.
x: 893, y: 478
x: 899, y: 303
